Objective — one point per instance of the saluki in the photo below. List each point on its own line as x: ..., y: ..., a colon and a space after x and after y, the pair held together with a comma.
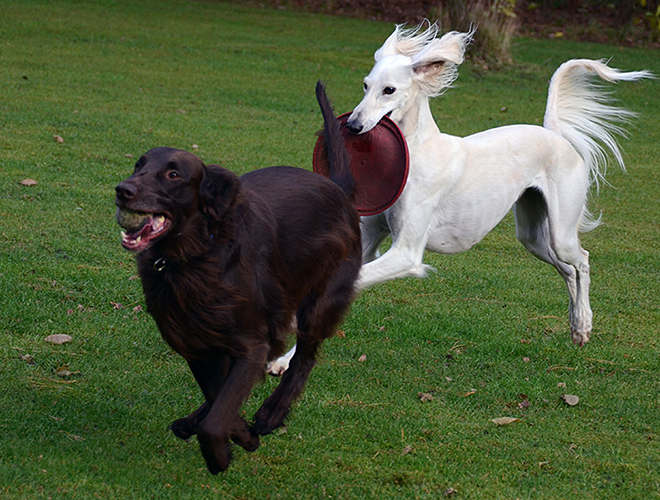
x: 459, y: 189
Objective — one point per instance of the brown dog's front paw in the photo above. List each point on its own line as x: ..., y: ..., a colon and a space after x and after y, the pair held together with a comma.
x: 216, y: 451
x: 186, y: 427
x: 182, y: 429
x: 246, y: 439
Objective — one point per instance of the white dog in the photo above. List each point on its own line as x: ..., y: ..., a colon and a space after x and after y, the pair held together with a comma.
x: 459, y: 189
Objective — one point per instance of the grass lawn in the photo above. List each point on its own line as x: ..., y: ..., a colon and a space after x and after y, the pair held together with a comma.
x: 486, y: 336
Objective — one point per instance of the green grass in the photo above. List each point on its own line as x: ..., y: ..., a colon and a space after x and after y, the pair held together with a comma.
x: 488, y: 331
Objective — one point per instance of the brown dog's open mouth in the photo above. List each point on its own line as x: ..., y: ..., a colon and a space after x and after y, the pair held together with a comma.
x: 142, y: 228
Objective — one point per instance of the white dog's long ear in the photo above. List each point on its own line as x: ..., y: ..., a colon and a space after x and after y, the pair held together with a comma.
x: 407, y: 41
x: 436, y: 67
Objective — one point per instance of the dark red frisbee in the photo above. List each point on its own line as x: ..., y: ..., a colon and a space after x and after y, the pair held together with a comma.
x: 379, y: 162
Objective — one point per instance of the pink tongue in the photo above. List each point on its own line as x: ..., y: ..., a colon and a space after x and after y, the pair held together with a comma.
x: 146, y: 230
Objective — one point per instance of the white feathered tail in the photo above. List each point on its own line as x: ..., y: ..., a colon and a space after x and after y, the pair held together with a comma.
x: 580, y: 110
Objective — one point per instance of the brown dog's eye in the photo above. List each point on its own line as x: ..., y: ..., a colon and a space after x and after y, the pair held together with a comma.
x: 173, y: 174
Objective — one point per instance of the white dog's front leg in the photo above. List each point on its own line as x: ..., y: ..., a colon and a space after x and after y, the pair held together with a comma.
x: 395, y: 263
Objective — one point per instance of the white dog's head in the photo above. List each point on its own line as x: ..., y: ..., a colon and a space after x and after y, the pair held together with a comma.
x: 410, y: 62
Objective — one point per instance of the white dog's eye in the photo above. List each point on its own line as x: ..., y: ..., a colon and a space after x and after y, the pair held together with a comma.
x: 366, y: 87
x: 389, y: 90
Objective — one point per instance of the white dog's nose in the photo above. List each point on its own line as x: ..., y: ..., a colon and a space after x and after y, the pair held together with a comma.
x: 354, y: 127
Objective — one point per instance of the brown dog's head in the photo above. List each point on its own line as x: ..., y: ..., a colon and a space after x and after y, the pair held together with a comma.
x: 170, y: 190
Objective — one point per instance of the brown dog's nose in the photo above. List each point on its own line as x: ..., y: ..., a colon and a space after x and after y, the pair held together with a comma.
x: 125, y: 190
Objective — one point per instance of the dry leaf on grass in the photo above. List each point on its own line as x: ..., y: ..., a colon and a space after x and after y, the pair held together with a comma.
x: 28, y: 182
x: 450, y: 492
x: 58, y: 138
x: 362, y: 358
x: 58, y: 338
x: 424, y: 396
x: 505, y: 420
x: 63, y: 371
x: 27, y: 358
x: 570, y: 399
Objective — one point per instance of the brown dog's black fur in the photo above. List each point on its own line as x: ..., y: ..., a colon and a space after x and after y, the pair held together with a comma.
x: 227, y: 263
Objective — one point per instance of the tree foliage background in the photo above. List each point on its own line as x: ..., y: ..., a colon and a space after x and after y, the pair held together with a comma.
x: 625, y: 22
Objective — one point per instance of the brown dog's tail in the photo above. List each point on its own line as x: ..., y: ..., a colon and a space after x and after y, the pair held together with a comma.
x: 338, y: 158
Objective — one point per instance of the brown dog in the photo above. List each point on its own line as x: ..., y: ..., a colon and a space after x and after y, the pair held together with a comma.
x: 227, y: 263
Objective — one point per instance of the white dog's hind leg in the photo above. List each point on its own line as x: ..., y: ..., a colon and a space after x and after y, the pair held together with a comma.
x: 581, y: 315
x: 561, y: 249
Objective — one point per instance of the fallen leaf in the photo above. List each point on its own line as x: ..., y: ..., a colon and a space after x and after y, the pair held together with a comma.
x: 58, y: 338
x: 28, y: 182
x: 406, y: 450
x: 58, y: 138
x: 561, y: 384
x: 469, y: 393
x: 362, y: 358
x: 524, y: 404
x: 116, y: 305
x: 526, y: 359
x: 27, y: 358
x: 341, y: 334
x: 425, y: 396
x: 195, y: 146
x: 450, y: 492
x: 128, y: 155
x: 570, y: 399
x: 137, y: 309
x: 505, y: 420
x: 63, y: 371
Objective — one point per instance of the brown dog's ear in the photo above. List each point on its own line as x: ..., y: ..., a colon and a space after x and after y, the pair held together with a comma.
x: 217, y: 191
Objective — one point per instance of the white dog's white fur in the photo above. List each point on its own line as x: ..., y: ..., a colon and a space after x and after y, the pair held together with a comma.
x: 459, y: 189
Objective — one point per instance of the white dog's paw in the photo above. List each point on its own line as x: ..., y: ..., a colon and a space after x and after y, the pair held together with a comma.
x: 580, y: 337
x: 277, y: 367
x: 424, y: 270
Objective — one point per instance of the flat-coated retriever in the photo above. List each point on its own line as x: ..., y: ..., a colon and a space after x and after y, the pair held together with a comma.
x: 228, y: 263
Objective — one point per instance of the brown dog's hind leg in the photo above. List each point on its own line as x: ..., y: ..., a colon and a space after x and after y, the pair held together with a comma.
x: 318, y: 317
x: 274, y: 410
